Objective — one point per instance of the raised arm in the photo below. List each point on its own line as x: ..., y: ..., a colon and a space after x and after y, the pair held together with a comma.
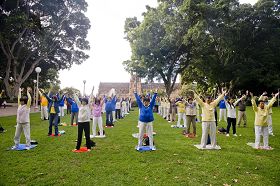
x: 138, y: 100
x: 271, y: 102
x: 216, y: 101
x: 253, y: 101
x: 77, y: 100
x: 19, y: 96
x: 237, y: 101
x: 197, y: 98
x: 152, y: 104
x: 29, y: 97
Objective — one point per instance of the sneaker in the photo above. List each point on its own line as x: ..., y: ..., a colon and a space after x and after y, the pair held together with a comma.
x: 137, y: 148
x: 153, y: 148
x: 88, y: 150
x: 14, y: 147
x: 271, y: 134
x: 227, y: 135
x: 235, y: 135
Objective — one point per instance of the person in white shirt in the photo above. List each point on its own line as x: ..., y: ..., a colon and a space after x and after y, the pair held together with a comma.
x: 231, y: 115
x: 83, y: 122
x: 23, y: 119
x: 191, y: 114
x: 118, y: 109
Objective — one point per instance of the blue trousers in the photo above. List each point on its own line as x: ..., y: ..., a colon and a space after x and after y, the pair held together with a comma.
x: 53, y: 120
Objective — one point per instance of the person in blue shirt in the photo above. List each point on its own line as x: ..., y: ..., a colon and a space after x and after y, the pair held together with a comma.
x: 110, y: 105
x: 223, y: 110
x: 61, y: 106
x: 74, y: 110
x: 53, y: 108
x: 146, y: 118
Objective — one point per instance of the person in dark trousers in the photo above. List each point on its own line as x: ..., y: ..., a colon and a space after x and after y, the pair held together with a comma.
x: 109, y: 107
x: 83, y: 122
x: 53, y: 109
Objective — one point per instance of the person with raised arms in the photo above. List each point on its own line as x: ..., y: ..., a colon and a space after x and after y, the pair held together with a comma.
x: 261, y: 124
x: 146, y: 119
x: 208, y: 118
x: 23, y: 119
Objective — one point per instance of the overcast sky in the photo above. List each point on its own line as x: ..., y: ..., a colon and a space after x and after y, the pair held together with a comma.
x: 108, y: 48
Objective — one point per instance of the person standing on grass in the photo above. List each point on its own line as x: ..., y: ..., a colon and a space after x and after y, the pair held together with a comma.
x: 83, y: 122
x: 264, y: 97
x: 109, y: 107
x: 146, y: 118
x: 44, y: 107
x: 242, y: 111
x: 231, y: 115
x: 61, y: 106
x: 208, y: 118
x: 173, y: 108
x: 97, y: 116
x: 118, y: 109
x: 261, y: 124
x: 191, y: 115
x: 223, y: 111
x: 23, y: 119
x: 53, y: 109
x: 74, y: 110
x: 181, y: 113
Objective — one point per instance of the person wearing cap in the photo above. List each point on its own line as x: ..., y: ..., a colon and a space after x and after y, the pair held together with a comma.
x: 23, y: 119
x: 261, y: 123
x: 264, y: 97
x: 208, y: 118
x: 146, y: 118
x: 83, y: 122
x: 53, y: 108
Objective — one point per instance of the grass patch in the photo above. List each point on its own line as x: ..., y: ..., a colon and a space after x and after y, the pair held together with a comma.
x: 114, y: 161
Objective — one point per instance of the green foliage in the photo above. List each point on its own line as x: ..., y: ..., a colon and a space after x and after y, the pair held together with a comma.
x: 114, y: 161
x: 48, y: 33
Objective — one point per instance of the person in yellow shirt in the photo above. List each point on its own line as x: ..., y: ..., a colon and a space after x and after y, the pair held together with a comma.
x: 181, y: 113
x: 208, y: 118
x: 261, y: 125
x: 44, y: 106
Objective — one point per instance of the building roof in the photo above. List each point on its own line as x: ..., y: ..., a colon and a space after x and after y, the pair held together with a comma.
x: 121, y: 88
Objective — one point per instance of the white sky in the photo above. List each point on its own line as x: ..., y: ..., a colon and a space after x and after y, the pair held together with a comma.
x: 108, y: 48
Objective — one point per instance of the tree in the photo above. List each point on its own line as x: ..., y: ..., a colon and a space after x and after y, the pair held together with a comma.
x: 158, y: 46
x: 71, y: 91
x: 42, y: 32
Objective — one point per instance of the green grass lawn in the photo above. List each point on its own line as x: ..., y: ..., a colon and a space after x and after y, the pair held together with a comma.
x: 114, y: 161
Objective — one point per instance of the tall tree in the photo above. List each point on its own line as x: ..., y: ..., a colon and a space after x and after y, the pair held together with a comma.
x: 158, y: 47
x: 41, y: 32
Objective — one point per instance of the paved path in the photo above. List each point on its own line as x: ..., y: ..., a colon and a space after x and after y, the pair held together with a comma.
x: 11, y: 110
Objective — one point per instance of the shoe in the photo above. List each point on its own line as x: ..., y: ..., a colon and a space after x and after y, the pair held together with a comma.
x: 227, y: 135
x: 153, y: 148
x: 235, y: 135
x: 27, y: 147
x: 138, y: 148
x: 271, y: 134
x: 88, y: 150
x: 14, y: 147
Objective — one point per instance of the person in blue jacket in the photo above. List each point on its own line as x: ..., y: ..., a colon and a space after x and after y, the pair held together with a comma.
x: 74, y: 110
x: 53, y: 109
x: 110, y: 105
x: 61, y: 105
x: 146, y: 118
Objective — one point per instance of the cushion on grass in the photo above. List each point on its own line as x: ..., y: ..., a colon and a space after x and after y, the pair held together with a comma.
x: 23, y: 147
x: 208, y: 147
x: 144, y: 148
x: 260, y: 148
x: 82, y: 149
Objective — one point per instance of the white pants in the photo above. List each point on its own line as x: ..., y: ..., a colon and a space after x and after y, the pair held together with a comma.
x: 114, y: 116
x: 223, y: 114
x: 44, y: 112
x: 181, y: 115
x: 149, y: 129
x: 206, y: 125
x: 26, y: 130
x: 159, y: 110
x: 61, y: 111
x: 259, y: 130
x: 97, y: 120
x: 164, y: 112
x: 269, y: 123
x: 167, y: 113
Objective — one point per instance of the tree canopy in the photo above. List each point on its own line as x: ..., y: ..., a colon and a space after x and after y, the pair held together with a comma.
x: 47, y: 33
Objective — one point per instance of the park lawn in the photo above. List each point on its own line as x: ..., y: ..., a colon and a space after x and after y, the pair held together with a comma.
x: 114, y: 161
